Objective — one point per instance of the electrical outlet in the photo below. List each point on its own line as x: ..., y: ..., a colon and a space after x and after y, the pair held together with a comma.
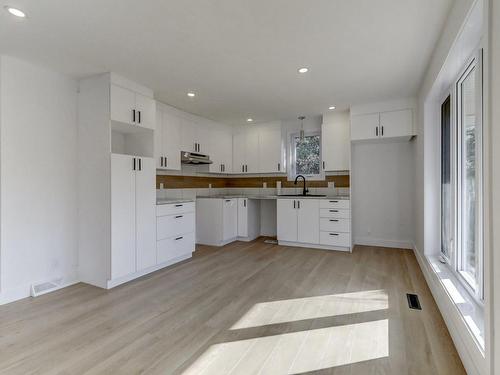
x: 331, y: 184
x: 161, y: 186
x: 264, y: 185
x: 209, y: 186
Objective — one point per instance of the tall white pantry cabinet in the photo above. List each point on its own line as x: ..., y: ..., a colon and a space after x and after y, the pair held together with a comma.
x: 116, y: 172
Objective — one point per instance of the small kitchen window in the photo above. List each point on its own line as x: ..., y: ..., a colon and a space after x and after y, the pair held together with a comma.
x: 305, y: 156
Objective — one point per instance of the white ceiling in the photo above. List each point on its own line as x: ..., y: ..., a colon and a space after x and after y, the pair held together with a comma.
x: 239, y: 56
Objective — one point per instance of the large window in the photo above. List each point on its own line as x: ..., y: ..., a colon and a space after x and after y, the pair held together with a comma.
x: 305, y: 156
x: 462, y: 177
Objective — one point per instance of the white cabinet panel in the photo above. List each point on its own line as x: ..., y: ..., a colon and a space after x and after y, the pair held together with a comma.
x: 229, y: 219
x: 221, y: 149
x: 122, y: 104
x: 308, y: 221
x: 242, y: 217
x: 158, y: 138
x: 343, y: 204
x: 171, y: 142
x: 175, y: 208
x: 287, y: 220
x: 246, y: 150
x: 239, y: 151
x: 146, y: 108
x: 270, y: 149
x: 252, y: 151
x: 335, y: 225
x: 396, y: 123
x: 145, y: 203
x: 173, y: 225
x: 335, y: 144
x: 123, y: 230
x: 335, y: 239
x: 364, y: 127
x: 188, y: 135
x: 335, y: 213
x: 175, y: 247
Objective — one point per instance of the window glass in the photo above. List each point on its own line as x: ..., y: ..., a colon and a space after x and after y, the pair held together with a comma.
x: 446, y: 182
x: 307, y: 155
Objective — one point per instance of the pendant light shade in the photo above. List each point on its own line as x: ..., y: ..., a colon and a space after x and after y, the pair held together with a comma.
x: 302, y: 133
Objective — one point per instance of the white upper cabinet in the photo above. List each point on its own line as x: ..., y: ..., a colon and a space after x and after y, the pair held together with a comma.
x: 167, y: 139
x: 221, y: 150
x: 131, y: 103
x: 194, y: 136
x: 246, y: 150
x: 335, y: 143
x: 270, y: 148
x: 258, y: 149
x: 365, y: 127
x: 396, y: 123
x: 385, y: 120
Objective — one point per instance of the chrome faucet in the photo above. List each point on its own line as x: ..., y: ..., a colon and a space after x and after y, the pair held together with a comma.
x: 305, y: 190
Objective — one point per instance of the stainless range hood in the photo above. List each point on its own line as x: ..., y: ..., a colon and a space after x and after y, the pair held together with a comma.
x: 194, y: 158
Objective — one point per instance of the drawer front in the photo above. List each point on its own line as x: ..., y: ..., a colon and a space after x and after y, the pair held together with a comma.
x: 174, y: 247
x: 174, y: 225
x: 341, y: 204
x: 335, y: 239
x: 335, y: 213
x: 335, y: 225
x: 174, y: 208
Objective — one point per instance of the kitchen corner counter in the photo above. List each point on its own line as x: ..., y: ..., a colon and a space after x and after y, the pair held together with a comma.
x: 336, y: 197
x: 161, y: 201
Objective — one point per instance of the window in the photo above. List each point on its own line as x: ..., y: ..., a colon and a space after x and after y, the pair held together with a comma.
x: 462, y: 179
x: 446, y: 179
x: 305, y: 156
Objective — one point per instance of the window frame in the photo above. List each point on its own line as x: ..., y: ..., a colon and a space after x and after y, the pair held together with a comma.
x: 292, y: 171
x: 475, y: 289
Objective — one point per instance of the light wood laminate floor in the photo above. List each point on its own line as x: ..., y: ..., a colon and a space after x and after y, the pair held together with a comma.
x: 246, y: 308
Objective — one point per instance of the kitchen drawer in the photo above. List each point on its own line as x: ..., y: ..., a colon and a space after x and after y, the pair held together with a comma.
x: 335, y: 225
x: 174, y: 247
x: 174, y: 225
x: 335, y: 213
x: 342, y: 204
x: 335, y: 239
x: 174, y: 208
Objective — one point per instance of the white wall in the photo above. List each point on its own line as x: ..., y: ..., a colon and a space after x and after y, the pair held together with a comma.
x: 38, y: 177
x: 382, y: 194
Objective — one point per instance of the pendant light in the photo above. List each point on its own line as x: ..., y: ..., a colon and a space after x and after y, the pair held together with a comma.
x: 302, y: 133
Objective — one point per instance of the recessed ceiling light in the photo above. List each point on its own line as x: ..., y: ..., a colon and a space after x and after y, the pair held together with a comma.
x: 15, y: 12
x: 331, y: 107
x: 303, y: 70
x: 191, y: 94
x: 249, y: 119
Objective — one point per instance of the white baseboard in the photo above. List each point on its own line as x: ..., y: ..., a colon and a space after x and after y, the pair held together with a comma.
x: 369, y: 241
x: 24, y: 291
x: 472, y: 358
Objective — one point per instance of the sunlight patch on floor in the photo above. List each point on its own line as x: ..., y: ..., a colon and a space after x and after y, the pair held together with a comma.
x: 292, y: 310
x: 297, y: 352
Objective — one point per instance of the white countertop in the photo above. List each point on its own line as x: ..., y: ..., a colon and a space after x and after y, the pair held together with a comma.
x: 337, y: 197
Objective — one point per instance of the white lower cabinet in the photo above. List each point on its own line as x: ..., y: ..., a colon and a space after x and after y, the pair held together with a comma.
x: 314, y: 223
x: 133, y: 200
x: 216, y: 221
x: 175, y: 232
x: 248, y: 219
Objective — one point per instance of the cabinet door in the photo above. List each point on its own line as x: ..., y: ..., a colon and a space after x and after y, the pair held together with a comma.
x: 336, y: 145
x: 147, y: 108
x: 221, y: 150
x: 158, y: 138
x: 171, y: 141
x: 188, y: 135
x: 308, y: 221
x: 287, y: 220
x: 270, y: 151
x: 252, y: 150
x: 364, y: 127
x: 145, y: 203
x: 239, y: 151
x: 242, y: 217
x: 396, y: 123
x: 202, y: 137
x: 229, y: 219
x: 123, y: 229
x: 122, y: 104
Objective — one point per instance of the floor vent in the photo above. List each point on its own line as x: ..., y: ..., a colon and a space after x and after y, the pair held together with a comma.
x: 413, y: 301
x: 43, y: 288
